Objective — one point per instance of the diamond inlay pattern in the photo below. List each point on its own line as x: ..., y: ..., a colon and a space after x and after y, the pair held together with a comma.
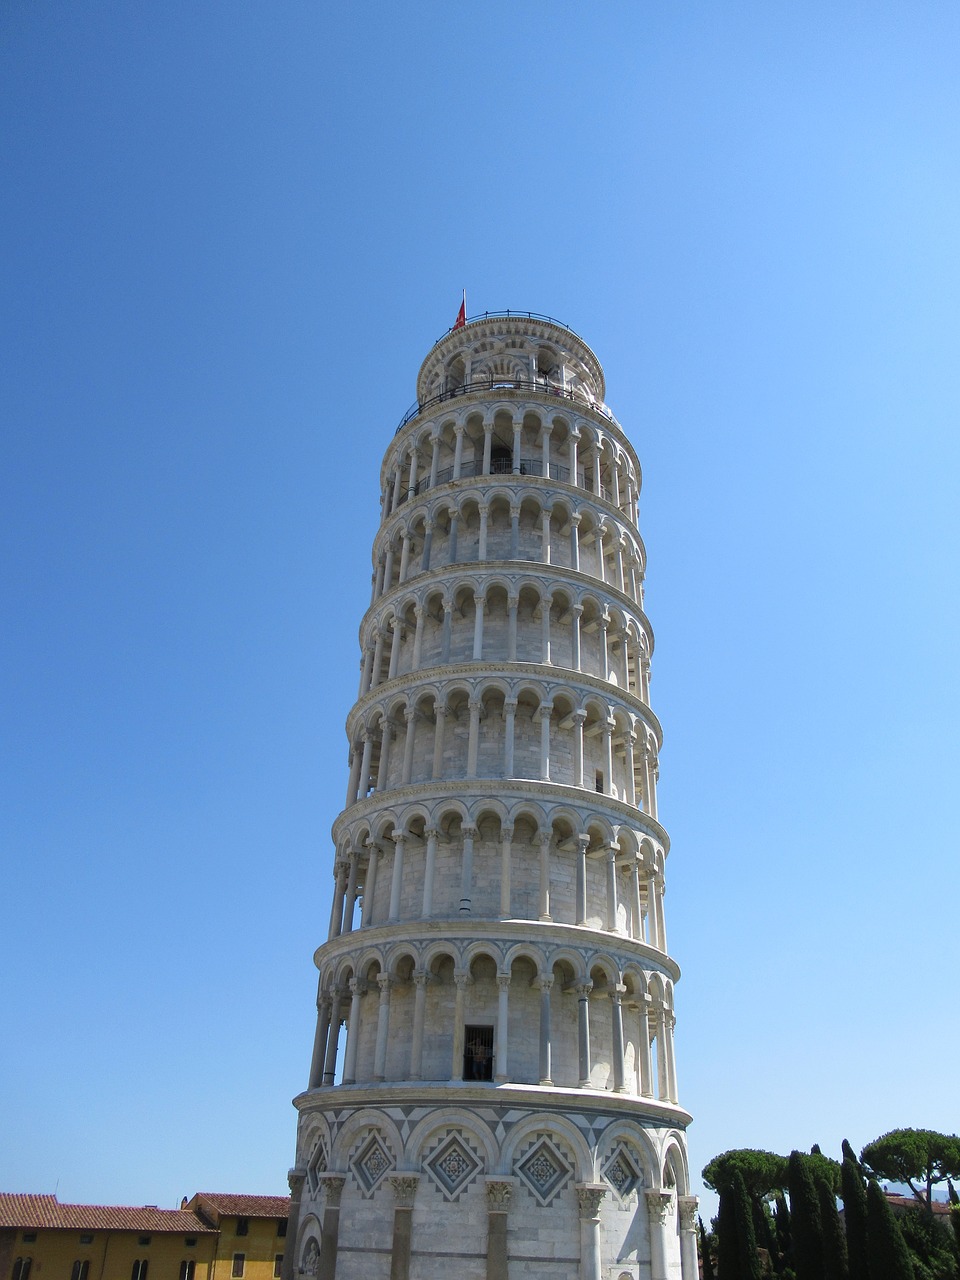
x: 453, y: 1166
x: 622, y: 1173
x: 371, y: 1163
x: 544, y: 1171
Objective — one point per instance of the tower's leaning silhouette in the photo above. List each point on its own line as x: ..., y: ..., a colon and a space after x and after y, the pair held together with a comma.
x: 492, y: 1092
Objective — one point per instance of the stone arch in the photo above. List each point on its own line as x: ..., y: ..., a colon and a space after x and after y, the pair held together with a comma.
x: 308, y: 1246
x: 357, y: 1124
x: 456, y: 1119
x: 674, y: 1169
x: 559, y: 1127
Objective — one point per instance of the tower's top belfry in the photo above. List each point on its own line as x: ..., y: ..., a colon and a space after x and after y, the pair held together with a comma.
x: 512, y: 345
x: 497, y: 950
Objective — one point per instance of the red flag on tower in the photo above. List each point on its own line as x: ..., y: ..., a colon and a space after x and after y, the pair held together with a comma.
x: 461, y: 319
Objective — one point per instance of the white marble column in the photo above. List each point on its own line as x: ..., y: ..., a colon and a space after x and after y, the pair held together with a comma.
x: 429, y: 871
x: 545, y: 983
x: 396, y: 883
x: 333, y: 1037
x: 440, y: 714
x: 546, y: 838
x: 589, y: 1196
x: 509, y: 716
x: 384, y: 982
x: 687, y: 1210
x: 658, y: 1203
x: 503, y: 1023
x: 369, y: 883
x: 473, y: 738
x: 410, y: 718
x: 466, y: 873
x: 353, y: 1033
x: 480, y: 604
x: 461, y: 979
x: 420, y: 977
x: 583, y: 1031
x: 506, y: 855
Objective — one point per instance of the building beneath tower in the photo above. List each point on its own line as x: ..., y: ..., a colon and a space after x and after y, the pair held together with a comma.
x: 493, y: 1091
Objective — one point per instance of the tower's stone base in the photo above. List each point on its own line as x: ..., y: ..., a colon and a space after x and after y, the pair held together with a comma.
x: 484, y: 1184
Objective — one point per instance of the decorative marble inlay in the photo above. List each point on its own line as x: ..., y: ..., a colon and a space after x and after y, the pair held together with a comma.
x: 544, y: 1171
x: 622, y: 1173
x: 453, y: 1166
x: 317, y: 1165
x: 371, y: 1163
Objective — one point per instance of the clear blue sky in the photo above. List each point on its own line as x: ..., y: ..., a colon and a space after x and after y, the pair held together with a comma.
x: 230, y: 232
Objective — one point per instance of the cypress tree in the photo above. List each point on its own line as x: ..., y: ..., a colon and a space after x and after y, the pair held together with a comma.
x: 706, y: 1259
x: 855, y: 1218
x: 781, y: 1220
x: 848, y: 1153
x: 746, y: 1239
x: 955, y: 1223
x: 834, y: 1244
x: 728, y: 1249
x: 804, y: 1220
x: 887, y: 1251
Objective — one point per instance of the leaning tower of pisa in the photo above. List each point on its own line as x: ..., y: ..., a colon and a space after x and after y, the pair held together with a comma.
x: 492, y: 1091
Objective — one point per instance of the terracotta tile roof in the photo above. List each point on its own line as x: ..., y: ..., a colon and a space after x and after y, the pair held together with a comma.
x: 230, y: 1206
x: 42, y: 1211
x: 937, y: 1207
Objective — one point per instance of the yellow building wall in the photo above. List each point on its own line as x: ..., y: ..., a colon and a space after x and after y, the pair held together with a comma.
x: 111, y: 1254
x: 259, y: 1246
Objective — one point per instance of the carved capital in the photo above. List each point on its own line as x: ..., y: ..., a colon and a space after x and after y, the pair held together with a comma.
x: 589, y: 1195
x: 688, y: 1206
x: 404, y: 1189
x: 499, y: 1195
x: 295, y: 1179
x: 333, y: 1186
x: 658, y: 1202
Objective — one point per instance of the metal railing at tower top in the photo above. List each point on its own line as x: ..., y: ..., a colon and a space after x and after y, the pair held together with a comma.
x: 542, y: 385
x: 511, y: 315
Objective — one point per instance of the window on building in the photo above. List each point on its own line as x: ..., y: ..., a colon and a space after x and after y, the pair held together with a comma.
x: 187, y: 1268
x: 190, y: 1241
x: 21, y: 1268
x: 238, y: 1263
x: 281, y: 1226
x: 243, y: 1226
x: 478, y: 1053
x: 599, y: 783
x: 143, y: 1241
x: 80, y: 1269
x: 29, y: 1237
x: 139, y: 1271
x: 278, y: 1264
x: 86, y: 1239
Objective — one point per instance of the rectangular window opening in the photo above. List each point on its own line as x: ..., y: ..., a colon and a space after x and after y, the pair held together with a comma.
x: 238, y: 1263
x: 187, y: 1269
x: 243, y: 1226
x: 478, y: 1053
x: 281, y: 1226
x: 278, y: 1264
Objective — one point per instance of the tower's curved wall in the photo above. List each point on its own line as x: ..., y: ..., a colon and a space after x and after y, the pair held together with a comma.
x: 493, y: 1086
